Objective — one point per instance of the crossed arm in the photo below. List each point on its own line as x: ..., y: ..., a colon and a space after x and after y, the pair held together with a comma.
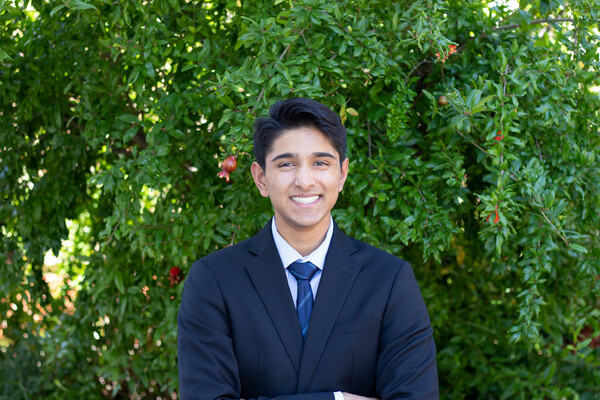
x: 349, y: 396
x: 208, y: 365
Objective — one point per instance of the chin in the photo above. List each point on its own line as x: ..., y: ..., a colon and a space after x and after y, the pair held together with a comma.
x: 308, y: 222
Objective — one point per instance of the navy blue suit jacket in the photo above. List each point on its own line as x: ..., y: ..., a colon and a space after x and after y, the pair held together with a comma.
x: 239, y: 335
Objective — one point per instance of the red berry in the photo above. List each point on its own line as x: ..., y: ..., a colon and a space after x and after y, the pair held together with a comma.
x: 229, y: 165
x: 175, y: 276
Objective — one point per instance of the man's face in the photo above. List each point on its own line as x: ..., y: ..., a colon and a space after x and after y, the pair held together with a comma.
x: 302, y: 177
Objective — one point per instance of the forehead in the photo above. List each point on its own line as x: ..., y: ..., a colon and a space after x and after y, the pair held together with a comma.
x: 302, y: 140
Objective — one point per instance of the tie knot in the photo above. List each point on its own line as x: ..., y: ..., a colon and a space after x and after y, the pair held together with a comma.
x: 305, y: 270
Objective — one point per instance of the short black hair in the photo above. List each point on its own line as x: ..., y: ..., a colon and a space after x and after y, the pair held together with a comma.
x: 297, y: 113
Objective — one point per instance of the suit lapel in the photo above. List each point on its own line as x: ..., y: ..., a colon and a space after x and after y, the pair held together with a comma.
x: 269, y: 279
x: 339, y: 274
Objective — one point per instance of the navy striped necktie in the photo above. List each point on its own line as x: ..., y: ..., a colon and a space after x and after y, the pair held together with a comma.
x: 303, y: 272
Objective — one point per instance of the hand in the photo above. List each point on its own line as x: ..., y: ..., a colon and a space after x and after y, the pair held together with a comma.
x: 350, y: 396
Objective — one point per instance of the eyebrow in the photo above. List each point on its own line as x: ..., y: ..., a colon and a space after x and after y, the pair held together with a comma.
x: 320, y: 154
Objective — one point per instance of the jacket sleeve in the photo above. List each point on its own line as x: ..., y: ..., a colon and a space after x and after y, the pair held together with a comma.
x: 406, y: 367
x: 208, y: 368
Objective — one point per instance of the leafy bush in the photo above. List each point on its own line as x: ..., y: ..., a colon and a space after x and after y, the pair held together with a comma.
x: 115, y: 116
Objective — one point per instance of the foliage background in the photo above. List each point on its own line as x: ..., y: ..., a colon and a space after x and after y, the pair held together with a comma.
x: 114, y: 116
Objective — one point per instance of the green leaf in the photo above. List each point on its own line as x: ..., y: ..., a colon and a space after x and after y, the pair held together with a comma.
x: 3, y: 55
x: 227, y: 101
x: 80, y: 5
x: 473, y: 99
x: 481, y: 104
x: 149, y: 70
x: 131, y: 132
x: 129, y: 118
x: 578, y: 248
x: 119, y: 282
x: 56, y: 9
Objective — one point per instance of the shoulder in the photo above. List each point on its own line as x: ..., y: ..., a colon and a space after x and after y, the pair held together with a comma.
x: 230, y: 252
x: 227, y: 256
x: 368, y: 250
x: 373, y: 258
x: 235, y: 256
x: 364, y: 251
x: 371, y: 254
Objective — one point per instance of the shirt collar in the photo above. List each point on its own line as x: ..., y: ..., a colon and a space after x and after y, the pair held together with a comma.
x: 288, y: 254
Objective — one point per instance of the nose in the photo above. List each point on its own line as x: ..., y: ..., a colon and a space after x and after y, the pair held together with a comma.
x: 305, y: 178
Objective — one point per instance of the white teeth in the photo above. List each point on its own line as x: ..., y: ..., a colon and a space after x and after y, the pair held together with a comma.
x: 305, y: 200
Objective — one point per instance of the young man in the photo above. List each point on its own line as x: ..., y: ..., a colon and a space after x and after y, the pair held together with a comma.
x: 301, y: 311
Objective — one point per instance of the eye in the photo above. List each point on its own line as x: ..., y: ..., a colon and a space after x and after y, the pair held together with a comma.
x: 321, y: 163
x: 286, y: 164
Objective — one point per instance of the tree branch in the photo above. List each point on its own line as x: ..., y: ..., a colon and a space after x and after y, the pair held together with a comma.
x: 415, y: 68
x: 564, y: 238
x: 117, y: 226
x: 473, y: 143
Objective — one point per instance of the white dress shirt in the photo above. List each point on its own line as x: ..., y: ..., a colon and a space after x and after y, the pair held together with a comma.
x: 289, y: 255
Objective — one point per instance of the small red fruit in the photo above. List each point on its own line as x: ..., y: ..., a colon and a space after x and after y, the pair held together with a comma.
x: 442, y: 100
x: 229, y: 165
x: 497, y: 217
x: 174, y: 276
x: 499, y: 136
x: 451, y: 50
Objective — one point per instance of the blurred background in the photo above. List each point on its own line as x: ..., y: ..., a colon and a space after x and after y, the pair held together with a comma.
x: 473, y: 131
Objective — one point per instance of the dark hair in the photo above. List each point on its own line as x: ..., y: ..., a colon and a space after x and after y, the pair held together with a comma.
x: 296, y: 113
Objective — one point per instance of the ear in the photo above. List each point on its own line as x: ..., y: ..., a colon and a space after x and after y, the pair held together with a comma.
x: 259, y: 178
x: 344, y: 174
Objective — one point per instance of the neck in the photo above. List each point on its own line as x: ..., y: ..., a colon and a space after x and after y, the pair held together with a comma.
x: 306, y: 240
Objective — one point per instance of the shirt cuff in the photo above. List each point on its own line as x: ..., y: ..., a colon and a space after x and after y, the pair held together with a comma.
x: 338, y: 396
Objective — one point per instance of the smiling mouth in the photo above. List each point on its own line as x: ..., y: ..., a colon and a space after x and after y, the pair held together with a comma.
x: 305, y: 200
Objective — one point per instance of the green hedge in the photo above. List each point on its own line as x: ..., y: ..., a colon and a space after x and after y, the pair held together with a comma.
x: 114, y: 117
